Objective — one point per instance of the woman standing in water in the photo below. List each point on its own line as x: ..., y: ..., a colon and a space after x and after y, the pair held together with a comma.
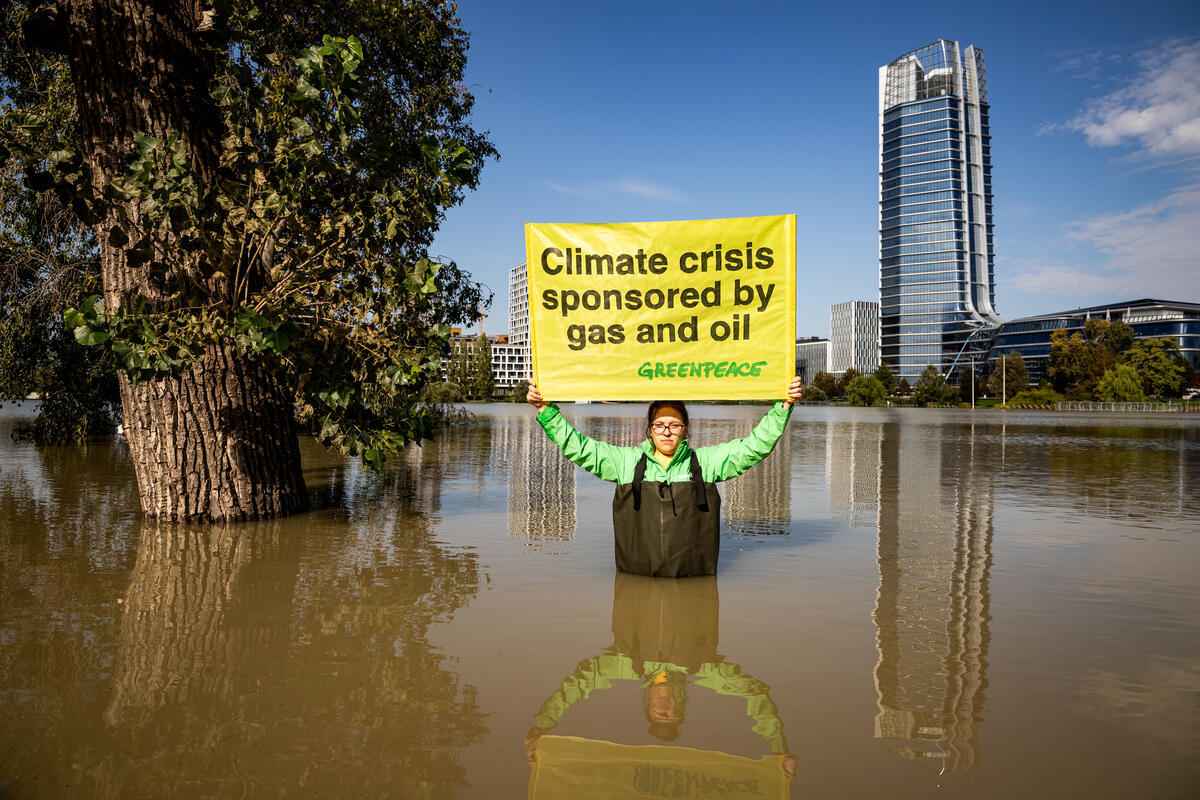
x: 666, y: 509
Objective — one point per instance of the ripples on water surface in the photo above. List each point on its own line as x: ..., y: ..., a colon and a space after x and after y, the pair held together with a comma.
x: 910, y: 602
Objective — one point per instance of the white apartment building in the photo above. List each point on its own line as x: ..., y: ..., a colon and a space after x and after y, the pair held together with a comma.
x: 853, y: 336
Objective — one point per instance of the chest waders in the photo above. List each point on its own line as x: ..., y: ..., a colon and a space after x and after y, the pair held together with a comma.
x: 671, y: 530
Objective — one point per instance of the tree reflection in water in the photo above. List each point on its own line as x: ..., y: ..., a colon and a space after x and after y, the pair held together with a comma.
x: 294, y: 656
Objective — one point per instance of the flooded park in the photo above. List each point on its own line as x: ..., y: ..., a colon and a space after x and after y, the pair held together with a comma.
x: 910, y: 602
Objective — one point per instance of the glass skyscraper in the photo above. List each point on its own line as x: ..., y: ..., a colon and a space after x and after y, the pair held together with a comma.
x: 936, y: 288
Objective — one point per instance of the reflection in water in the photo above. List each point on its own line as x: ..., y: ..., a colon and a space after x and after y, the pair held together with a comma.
x: 852, y: 464
x: 665, y: 635
x: 286, y: 657
x: 302, y: 658
x: 760, y: 501
x: 931, y: 614
x: 541, y: 482
x: 200, y: 610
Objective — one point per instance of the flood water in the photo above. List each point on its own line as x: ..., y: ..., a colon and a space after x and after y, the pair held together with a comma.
x: 910, y: 602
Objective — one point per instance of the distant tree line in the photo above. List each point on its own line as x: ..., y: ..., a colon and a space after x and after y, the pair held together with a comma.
x: 1106, y: 361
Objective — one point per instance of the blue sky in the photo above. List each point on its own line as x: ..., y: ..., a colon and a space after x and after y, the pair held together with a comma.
x: 626, y: 111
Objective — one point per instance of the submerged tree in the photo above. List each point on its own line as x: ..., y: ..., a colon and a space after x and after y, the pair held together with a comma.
x: 262, y: 195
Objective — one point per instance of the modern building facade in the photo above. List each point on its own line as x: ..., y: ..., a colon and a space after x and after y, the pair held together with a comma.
x: 1149, y: 318
x: 936, y: 276
x: 812, y: 356
x: 518, y: 305
x: 853, y: 336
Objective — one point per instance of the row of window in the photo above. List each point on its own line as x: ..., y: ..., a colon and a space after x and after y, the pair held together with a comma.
x: 904, y: 227
x: 909, y: 296
x: 927, y: 152
x: 908, y: 144
x: 933, y: 216
x: 914, y: 119
x: 907, y: 284
x: 915, y: 108
x: 915, y: 205
x: 922, y: 188
x: 912, y: 350
x: 950, y: 269
x: 945, y: 248
x: 911, y: 243
x: 915, y: 319
x: 923, y: 308
x: 924, y: 166
x: 899, y: 135
x: 926, y: 177
x: 923, y: 258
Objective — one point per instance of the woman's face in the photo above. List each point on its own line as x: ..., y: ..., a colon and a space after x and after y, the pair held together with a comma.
x: 667, y: 430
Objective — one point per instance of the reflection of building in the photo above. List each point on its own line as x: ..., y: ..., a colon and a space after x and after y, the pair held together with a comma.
x: 760, y: 501
x: 812, y: 356
x: 935, y: 207
x: 931, y: 613
x: 852, y: 464
x: 541, y: 482
x: 853, y: 337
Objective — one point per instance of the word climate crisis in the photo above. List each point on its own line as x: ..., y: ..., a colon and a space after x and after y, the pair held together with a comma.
x: 596, y: 273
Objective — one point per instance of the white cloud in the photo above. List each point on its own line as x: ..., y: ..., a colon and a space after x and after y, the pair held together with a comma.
x: 1151, y: 251
x: 654, y: 191
x: 637, y: 187
x: 1157, y: 111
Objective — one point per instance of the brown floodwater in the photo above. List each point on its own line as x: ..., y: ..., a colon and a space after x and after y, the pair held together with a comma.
x: 910, y: 603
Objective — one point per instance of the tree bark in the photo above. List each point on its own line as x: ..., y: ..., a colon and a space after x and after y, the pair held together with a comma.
x: 218, y: 441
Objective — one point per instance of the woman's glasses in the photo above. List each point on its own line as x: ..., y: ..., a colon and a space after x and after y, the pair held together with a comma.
x: 667, y: 427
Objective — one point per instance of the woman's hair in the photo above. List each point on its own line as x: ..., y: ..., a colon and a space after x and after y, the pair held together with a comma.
x: 659, y: 405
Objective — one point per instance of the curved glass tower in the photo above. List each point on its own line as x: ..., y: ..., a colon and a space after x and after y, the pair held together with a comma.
x: 936, y: 290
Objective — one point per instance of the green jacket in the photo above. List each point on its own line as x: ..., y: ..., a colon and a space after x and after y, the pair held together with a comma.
x: 719, y: 676
x: 612, y: 463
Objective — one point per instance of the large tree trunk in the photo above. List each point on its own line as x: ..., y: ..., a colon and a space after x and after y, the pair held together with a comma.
x: 218, y: 441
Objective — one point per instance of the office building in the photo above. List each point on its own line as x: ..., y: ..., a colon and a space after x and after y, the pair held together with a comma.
x: 936, y: 279
x: 1030, y: 336
x: 853, y: 337
x: 518, y: 306
x: 812, y: 356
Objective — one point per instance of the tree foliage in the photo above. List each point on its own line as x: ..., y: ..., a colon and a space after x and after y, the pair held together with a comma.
x: 865, y: 390
x: 932, y: 389
x: 303, y: 240
x: 826, y: 383
x: 1078, y: 361
x: 1121, y: 384
x: 887, y: 379
x: 48, y: 261
x: 1161, y: 366
x: 1010, y: 376
x: 1036, y: 398
x: 903, y: 388
x: 844, y: 379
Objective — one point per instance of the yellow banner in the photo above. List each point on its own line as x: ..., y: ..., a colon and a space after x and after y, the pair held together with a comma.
x: 692, y: 310
x: 581, y: 769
